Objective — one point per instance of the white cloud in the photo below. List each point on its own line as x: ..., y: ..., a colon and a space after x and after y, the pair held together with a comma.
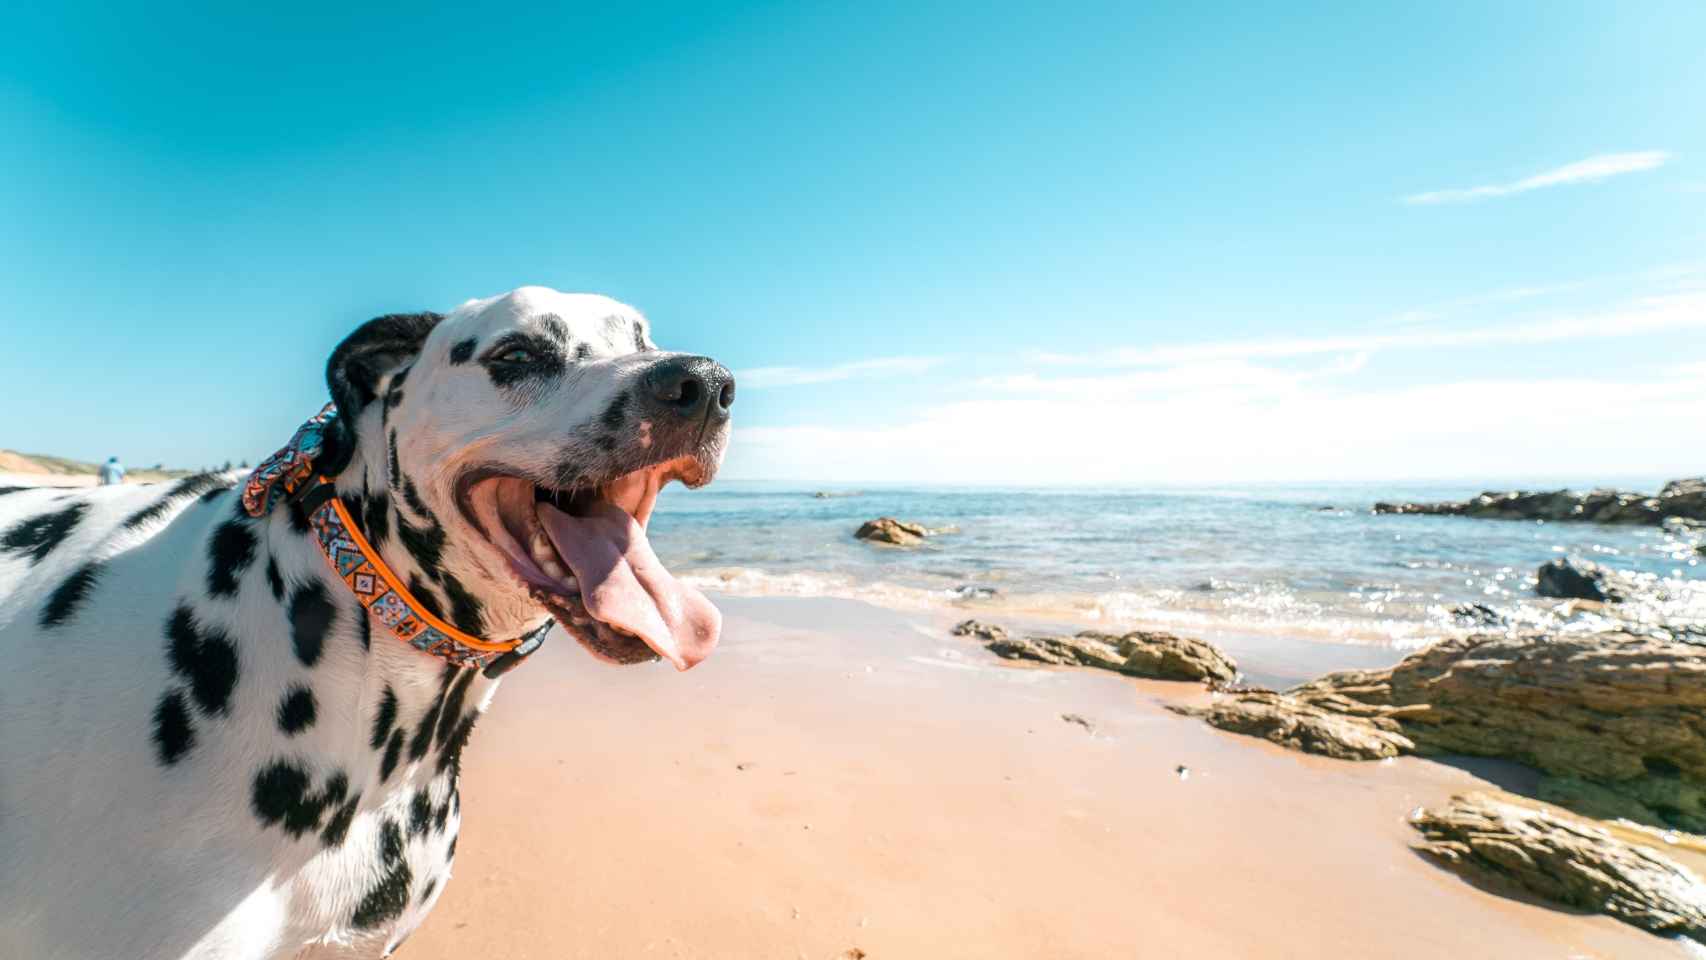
x: 1582, y: 171
x: 1285, y: 409
x: 758, y: 378
x: 1315, y: 430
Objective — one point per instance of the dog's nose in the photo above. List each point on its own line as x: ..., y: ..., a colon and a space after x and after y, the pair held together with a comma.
x: 691, y: 387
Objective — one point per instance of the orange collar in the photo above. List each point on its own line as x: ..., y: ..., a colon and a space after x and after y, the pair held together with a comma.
x: 289, y: 476
x: 359, y: 566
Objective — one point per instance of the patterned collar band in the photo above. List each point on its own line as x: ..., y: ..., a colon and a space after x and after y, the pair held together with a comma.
x: 288, y: 475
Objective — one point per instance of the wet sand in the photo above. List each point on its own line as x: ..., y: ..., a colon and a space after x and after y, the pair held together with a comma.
x: 841, y: 781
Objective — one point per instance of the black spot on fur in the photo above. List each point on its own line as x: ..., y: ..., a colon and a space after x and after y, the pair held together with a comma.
x: 422, y: 740
x: 275, y: 583
x: 390, y: 842
x: 546, y: 360
x: 640, y: 337
x: 412, y: 497
x: 424, y: 596
x: 426, y: 891
x: 607, y: 443
x: 425, y: 544
x: 384, y: 718
x: 37, y: 536
x: 363, y: 627
x: 462, y: 351
x: 554, y: 326
x: 311, y: 615
x: 229, y: 553
x: 452, y: 709
x: 450, y: 753
x: 393, y: 753
x: 441, y: 817
x: 420, y: 814
x: 583, y: 352
x: 281, y: 797
x: 298, y: 518
x: 394, y: 475
x: 278, y: 794
x: 617, y: 413
x: 387, y: 900
x: 378, y: 517
x: 296, y: 711
x: 71, y: 592
x: 204, y: 657
x: 214, y: 494
x: 202, y: 485
x: 450, y: 851
x: 6, y: 490
x: 174, y: 732
x: 338, y: 826
x: 356, y: 507
x: 393, y: 400
x: 465, y: 611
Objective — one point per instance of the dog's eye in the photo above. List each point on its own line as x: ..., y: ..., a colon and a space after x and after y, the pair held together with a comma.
x: 517, y: 355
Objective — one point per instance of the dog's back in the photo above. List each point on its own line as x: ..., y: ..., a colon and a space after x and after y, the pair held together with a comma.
x: 147, y: 643
x: 89, y: 576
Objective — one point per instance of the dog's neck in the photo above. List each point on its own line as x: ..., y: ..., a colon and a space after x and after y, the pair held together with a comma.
x: 418, y: 541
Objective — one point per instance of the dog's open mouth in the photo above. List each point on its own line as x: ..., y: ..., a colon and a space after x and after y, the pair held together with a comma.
x: 584, y: 556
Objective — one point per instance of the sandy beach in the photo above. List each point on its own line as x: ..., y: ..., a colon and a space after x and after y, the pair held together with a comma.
x: 841, y: 781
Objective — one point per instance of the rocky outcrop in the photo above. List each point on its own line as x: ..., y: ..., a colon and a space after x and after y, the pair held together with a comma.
x: 1345, y: 730
x: 1146, y: 654
x: 1163, y: 656
x: 1687, y: 497
x: 1626, y: 600
x: 1616, y: 721
x: 979, y: 630
x: 1518, y: 848
x: 1680, y: 499
x: 1612, y: 717
x: 1582, y: 580
x: 900, y: 533
x: 1478, y: 615
x: 1060, y: 651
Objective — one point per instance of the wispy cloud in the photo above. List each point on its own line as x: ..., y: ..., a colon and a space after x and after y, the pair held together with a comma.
x: 758, y: 378
x: 1582, y: 171
x: 1656, y: 314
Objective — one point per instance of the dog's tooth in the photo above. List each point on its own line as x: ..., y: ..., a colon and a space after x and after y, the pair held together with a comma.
x: 552, y: 567
x: 542, y: 552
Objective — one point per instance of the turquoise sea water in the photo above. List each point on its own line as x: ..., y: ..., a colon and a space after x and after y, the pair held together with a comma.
x: 1309, y: 562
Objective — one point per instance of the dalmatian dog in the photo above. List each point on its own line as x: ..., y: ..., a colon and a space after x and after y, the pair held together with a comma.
x: 210, y: 749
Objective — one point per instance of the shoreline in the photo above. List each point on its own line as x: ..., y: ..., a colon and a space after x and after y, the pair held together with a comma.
x: 842, y: 780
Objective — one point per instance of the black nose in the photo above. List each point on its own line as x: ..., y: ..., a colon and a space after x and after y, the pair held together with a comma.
x: 691, y: 387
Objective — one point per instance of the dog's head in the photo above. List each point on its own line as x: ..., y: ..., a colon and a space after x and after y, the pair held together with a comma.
x: 522, y: 441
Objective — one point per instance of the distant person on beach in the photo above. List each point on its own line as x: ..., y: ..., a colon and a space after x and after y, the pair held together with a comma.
x: 112, y: 472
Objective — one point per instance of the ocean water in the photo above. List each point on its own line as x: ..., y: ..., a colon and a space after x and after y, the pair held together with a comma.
x: 1304, y: 562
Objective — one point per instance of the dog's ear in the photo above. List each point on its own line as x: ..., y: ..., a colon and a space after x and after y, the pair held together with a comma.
x: 376, y: 348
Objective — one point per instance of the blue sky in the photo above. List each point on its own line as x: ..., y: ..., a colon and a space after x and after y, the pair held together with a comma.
x: 938, y: 242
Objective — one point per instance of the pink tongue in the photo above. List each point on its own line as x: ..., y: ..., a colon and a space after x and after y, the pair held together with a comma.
x: 624, y: 585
